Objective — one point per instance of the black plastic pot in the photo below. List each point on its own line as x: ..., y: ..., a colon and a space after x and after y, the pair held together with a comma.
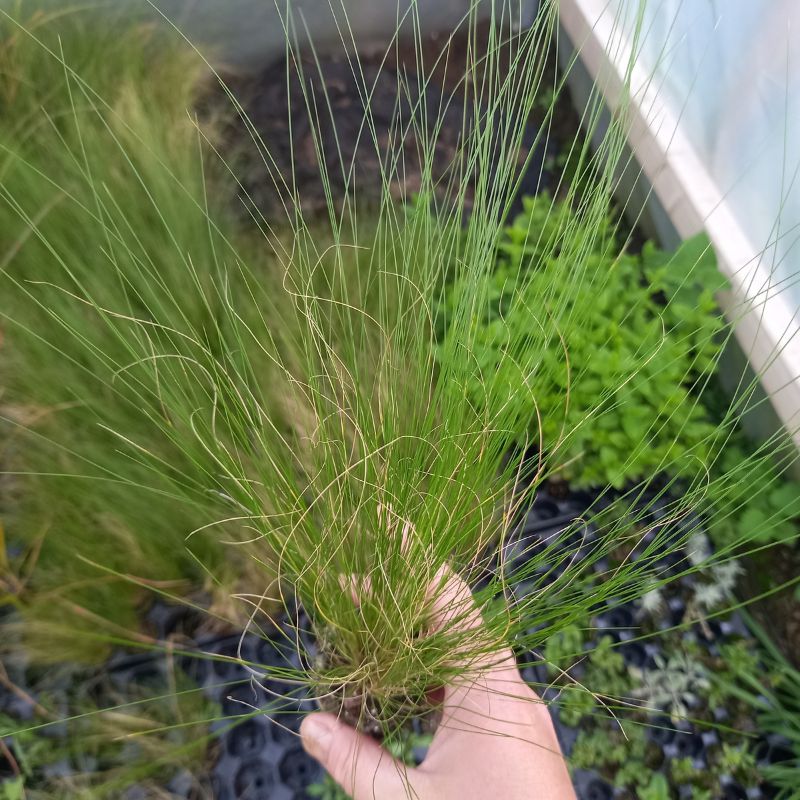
x: 241, y: 699
x: 6, y: 767
x: 168, y: 621
x: 259, y: 753
x: 638, y: 654
x: 254, y: 779
x: 591, y: 786
x: 145, y: 670
x: 774, y: 749
x: 661, y: 731
x: 297, y: 770
x: 260, y: 760
x: 685, y: 744
x: 721, y: 714
x: 617, y: 622
x: 729, y: 628
x: 600, y: 566
x: 16, y: 706
x: 566, y: 734
x: 710, y: 738
x: 184, y: 784
x: 535, y: 675
x: 731, y: 790
x: 247, y: 739
x: 676, y: 610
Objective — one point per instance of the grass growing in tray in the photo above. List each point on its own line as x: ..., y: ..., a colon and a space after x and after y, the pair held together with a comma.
x: 202, y: 412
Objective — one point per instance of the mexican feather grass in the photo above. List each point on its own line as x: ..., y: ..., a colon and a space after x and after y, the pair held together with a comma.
x: 207, y: 409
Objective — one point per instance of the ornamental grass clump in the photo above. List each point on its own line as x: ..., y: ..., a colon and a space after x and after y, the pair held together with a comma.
x: 104, y: 276
x: 208, y: 410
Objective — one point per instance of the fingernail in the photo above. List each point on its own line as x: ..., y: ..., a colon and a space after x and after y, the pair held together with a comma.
x: 316, y: 732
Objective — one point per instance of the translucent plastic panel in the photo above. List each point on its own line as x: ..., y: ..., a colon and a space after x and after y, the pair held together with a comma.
x: 730, y: 69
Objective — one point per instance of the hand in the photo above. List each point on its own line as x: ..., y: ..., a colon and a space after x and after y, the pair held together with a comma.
x: 496, y: 738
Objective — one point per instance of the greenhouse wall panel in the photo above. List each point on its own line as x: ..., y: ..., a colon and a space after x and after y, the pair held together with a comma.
x: 714, y: 126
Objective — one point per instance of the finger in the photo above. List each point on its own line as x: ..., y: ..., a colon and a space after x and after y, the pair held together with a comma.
x: 357, y: 587
x: 486, y: 669
x: 354, y: 760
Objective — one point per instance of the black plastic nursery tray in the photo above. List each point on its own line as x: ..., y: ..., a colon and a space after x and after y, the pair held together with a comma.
x: 695, y: 744
x: 260, y: 756
x: 258, y: 752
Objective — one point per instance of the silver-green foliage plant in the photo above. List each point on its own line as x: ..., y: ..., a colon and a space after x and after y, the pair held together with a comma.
x: 291, y: 396
x: 674, y: 684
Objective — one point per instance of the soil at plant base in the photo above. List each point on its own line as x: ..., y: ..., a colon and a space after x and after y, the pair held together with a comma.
x: 276, y: 102
x: 361, y: 713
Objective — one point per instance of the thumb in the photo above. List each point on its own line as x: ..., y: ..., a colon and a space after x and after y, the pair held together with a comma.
x: 355, y: 761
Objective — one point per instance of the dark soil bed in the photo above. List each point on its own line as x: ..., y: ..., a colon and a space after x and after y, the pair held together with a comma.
x: 778, y: 613
x: 313, y: 117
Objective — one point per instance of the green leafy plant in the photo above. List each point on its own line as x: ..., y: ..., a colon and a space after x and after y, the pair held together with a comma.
x: 773, y: 691
x: 740, y: 658
x: 602, y: 669
x: 589, y: 750
x: 633, y: 772
x: 622, y: 751
x: 326, y: 789
x: 686, y: 678
x: 13, y: 789
x: 597, y: 749
x: 607, y: 669
x: 563, y: 648
x: 656, y: 789
x: 683, y: 771
x: 574, y: 703
x: 612, y: 391
x: 763, y: 508
x: 737, y: 761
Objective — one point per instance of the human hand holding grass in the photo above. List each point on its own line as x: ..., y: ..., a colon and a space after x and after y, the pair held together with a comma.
x: 495, y: 738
